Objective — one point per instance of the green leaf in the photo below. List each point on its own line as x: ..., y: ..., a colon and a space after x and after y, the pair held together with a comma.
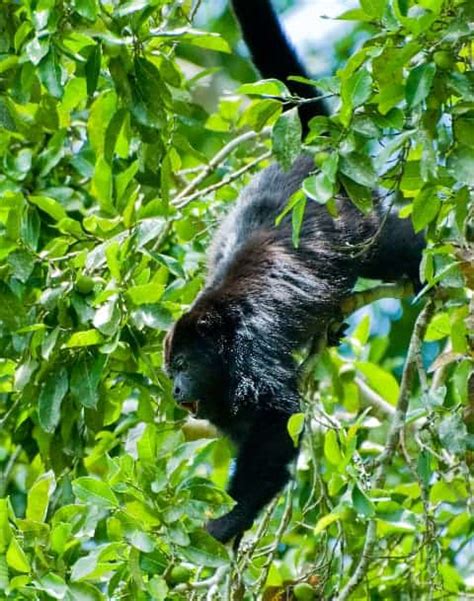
x: 453, y: 434
x: 141, y: 540
x: 295, y: 427
x: 203, y: 39
x: 101, y: 185
x: 297, y: 216
x: 146, y: 293
x: 362, y: 331
x: 16, y: 557
x: 358, y: 87
x: 462, y: 85
x: 461, y: 165
x: 354, y: 14
x: 259, y: 113
x: 51, y: 396
x: 3, y: 573
x: 92, y: 491
x: 130, y: 7
x: 332, y: 451
x: 389, y: 96
x: 84, y: 338
x: 358, y: 168
x: 38, y: 497
x: 87, y: 9
x: 112, y: 255
x: 149, y: 81
x: 201, y: 490
x: 204, y: 550
x: 171, y: 263
x: 423, y: 467
x: 419, y: 83
x: 425, y: 208
x: 71, y: 226
x: 439, y: 327
x: 464, y: 130
x: 107, y: 317
x: 85, y: 379
x: 286, y: 138
x: 149, y: 95
x: 102, y: 111
x: 5, y: 529
x: 411, y: 179
x: 111, y: 137
x: 50, y: 206
x: 375, y: 8
x: 152, y: 316
x: 84, y: 567
x: 265, y: 87
x: 294, y: 199
x: 443, y: 492
x: 362, y: 503
x: 53, y: 585
x: 50, y: 74
x: 92, y: 69
x: 380, y: 380
x: 319, y: 188
x: 326, y: 521
x: 361, y: 196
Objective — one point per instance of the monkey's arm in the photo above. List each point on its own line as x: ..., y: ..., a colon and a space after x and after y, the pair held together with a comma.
x: 261, y: 472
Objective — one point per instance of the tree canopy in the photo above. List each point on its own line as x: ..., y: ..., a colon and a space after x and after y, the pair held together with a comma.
x: 120, y: 152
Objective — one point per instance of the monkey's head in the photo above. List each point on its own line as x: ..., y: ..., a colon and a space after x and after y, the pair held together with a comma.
x: 195, y: 359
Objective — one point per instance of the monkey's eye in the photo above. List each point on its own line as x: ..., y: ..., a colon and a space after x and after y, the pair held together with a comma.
x: 180, y: 363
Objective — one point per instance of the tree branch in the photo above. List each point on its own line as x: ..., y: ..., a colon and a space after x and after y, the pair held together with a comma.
x: 397, y: 425
x: 357, y: 300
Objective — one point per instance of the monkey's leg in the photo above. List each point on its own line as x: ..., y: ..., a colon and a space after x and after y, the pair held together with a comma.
x: 261, y: 472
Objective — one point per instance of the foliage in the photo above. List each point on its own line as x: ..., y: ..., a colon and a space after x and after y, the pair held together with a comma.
x: 109, y: 189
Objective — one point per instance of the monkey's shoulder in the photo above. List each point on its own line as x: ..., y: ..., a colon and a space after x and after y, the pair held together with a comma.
x: 256, y: 210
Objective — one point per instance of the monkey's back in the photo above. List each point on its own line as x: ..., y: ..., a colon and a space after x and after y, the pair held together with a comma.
x: 251, y: 222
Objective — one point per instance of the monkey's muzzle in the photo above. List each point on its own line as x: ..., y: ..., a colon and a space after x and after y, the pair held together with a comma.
x: 190, y: 406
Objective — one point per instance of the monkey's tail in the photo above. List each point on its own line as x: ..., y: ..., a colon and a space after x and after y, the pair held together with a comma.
x: 273, y: 55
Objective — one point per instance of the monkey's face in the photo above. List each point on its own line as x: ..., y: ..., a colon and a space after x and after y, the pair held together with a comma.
x: 195, y: 362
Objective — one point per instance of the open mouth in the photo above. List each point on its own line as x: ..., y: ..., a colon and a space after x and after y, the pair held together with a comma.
x: 191, y: 406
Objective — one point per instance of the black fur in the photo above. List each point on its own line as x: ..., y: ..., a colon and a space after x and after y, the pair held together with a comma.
x: 233, y: 351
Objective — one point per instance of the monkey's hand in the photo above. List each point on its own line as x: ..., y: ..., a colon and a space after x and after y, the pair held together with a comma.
x: 230, y: 525
x: 336, y: 331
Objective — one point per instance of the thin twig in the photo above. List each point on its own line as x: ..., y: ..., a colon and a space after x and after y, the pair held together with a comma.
x: 10, y: 411
x: 4, y: 477
x: 285, y: 519
x: 223, y: 182
x: 214, y: 162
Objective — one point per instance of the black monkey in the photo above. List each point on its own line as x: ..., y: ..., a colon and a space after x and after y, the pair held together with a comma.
x: 230, y: 356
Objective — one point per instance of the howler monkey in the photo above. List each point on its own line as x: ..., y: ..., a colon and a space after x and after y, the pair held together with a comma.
x: 231, y: 355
